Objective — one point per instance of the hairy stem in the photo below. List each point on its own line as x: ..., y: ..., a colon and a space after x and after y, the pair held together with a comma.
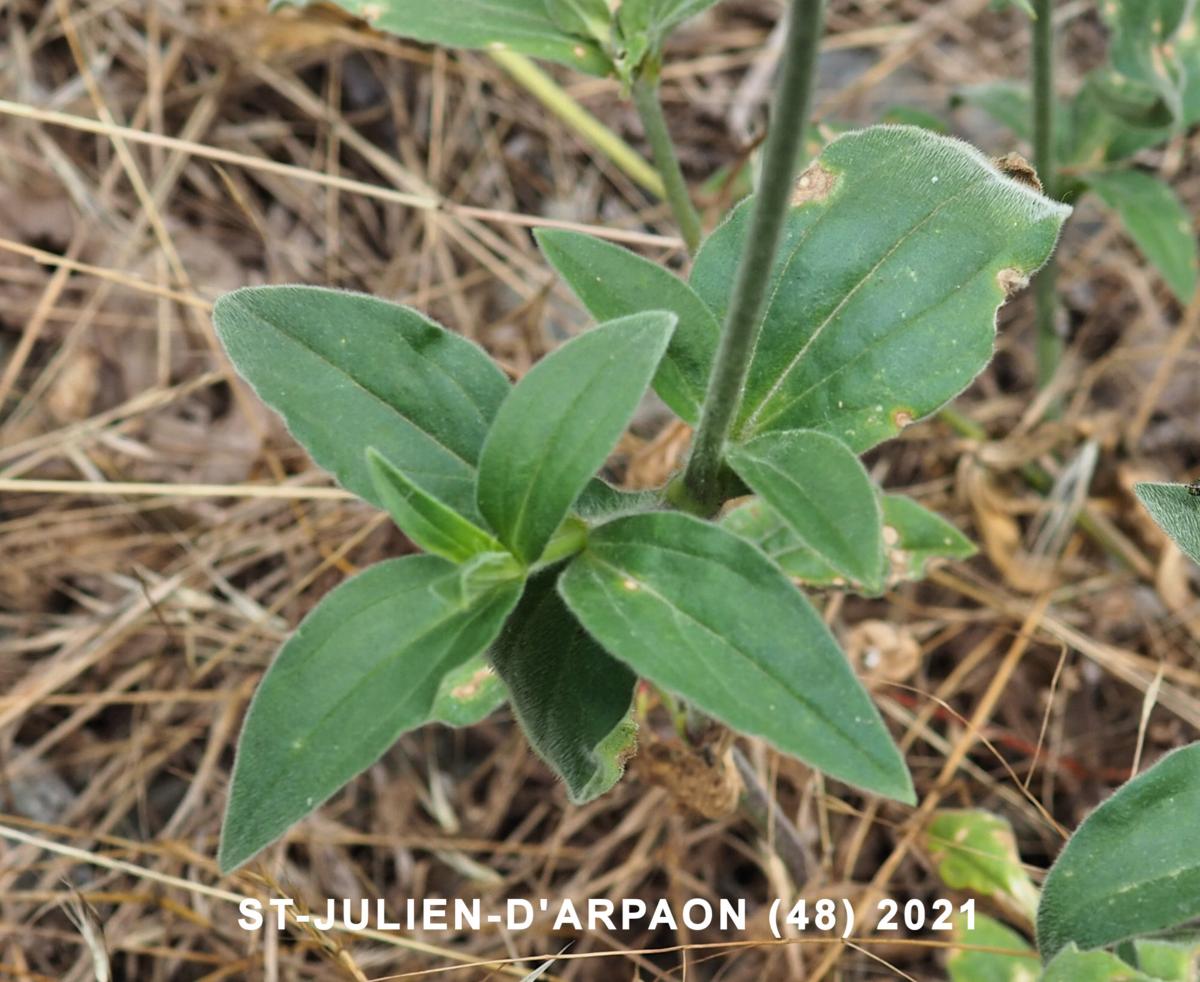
x: 649, y: 107
x: 1049, y: 343
x: 789, y: 120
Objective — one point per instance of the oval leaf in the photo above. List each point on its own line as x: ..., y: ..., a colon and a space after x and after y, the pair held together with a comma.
x: 364, y: 666
x: 1133, y: 866
x: 425, y: 520
x: 703, y: 613
x: 1158, y: 223
x: 1177, y: 511
x: 976, y: 850
x: 821, y: 489
x: 612, y: 282
x: 560, y: 422
x: 899, y: 242
x: 522, y: 25
x: 571, y: 697
x: 347, y: 371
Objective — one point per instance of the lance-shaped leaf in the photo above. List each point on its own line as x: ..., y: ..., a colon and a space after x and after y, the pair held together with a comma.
x: 1073, y: 965
x: 820, y: 488
x: 913, y: 537
x: 364, y: 666
x: 613, y: 282
x: 431, y: 525
x: 967, y: 964
x: 347, y: 371
x: 898, y: 243
x: 1157, y: 222
x: 560, y: 423
x: 1133, y: 865
x: 704, y: 614
x: 976, y: 850
x: 468, y: 694
x: 527, y: 26
x: 1177, y: 511
x: 571, y: 697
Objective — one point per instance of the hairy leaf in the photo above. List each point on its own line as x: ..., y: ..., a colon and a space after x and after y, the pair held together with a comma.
x: 526, y: 26
x: 571, y: 697
x: 1177, y: 511
x: 468, y: 694
x: 1133, y: 865
x: 976, y: 850
x: 364, y: 666
x: 899, y: 242
x: 347, y: 372
x: 704, y: 614
x: 1157, y: 221
x: 967, y: 965
x: 821, y: 489
x: 560, y: 423
x: 612, y: 282
x: 913, y: 537
x: 430, y: 524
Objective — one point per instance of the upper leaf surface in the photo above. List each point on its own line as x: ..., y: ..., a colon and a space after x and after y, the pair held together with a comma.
x: 967, y: 964
x: 821, y: 489
x: 468, y: 694
x: 364, y: 666
x: 976, y: 850
x: 1157, y: 221
x: 1073, y: 965
x: 1133, y: 865
x: 612, y: 282
x: 1177, y: 512
x: 703, y: 613
x: 430, y: 524
x: 898, y: 248
x: 560, y: 423
x: 347, y: 371
x: 571, y: 697
x: 522, y: 25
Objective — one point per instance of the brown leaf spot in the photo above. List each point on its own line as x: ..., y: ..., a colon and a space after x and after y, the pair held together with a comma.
x: 1011, y: 281
x: 901, y: 418
x: 470, y: 688
x: 814, y: 184
x: 1019, y: 169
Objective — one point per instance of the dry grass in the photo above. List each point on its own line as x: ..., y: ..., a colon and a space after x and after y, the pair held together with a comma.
x: 154, y: 155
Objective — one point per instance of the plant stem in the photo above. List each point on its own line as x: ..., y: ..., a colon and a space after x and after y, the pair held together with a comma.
x: 559, y: 101
x: 649, y: 107
x: 1049, y: 343
x: 789, y: 120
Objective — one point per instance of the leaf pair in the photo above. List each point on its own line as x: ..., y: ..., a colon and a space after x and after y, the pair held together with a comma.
x: 587, y: 35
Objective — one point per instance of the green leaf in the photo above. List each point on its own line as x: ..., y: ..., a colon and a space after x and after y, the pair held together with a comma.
x: 913, y: 538
x: 1008, y: 103
x: 1145, y: 82
x: 1171, y: 961
x: 899, y: 242
x: 976, y: 850
x: 704, y: 614
x: 521, y: 25
x: 1133, y: 866
x: 560, y: 423
x: 1177, y: 511
x: 821, y: 489
x: 347, y: 372
x: 613, y: 282
x: 425, y: 520
x: 570, y: 696
x: 364, y: 666
x: 1025, y: 6
x: 1073, y: 965
x: 1157, y: 221
x: 965, y: 965
x: 600, y: 501
x: 468, y: 694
